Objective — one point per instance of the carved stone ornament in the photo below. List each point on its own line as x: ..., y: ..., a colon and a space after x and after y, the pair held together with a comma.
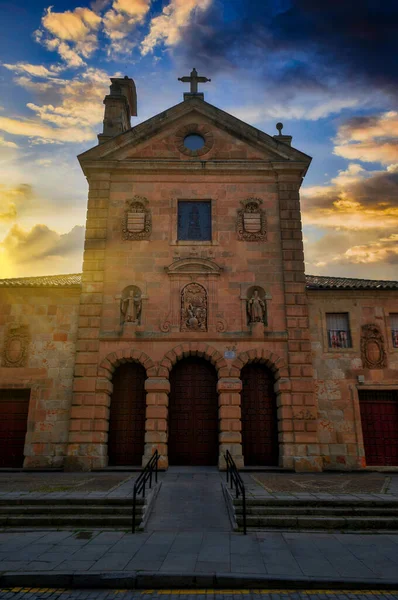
x: 131, y: 305
x: 16, y: 346
x: 372, y: 347
x: 250, y: 222
x: 137, y: 222
x: 193, y: 308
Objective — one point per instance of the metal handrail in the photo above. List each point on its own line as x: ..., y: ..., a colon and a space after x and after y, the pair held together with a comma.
x: 139, y: 486
x: 236, y: 480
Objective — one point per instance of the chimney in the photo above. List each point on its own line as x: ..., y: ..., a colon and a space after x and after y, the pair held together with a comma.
x: 120, y: 106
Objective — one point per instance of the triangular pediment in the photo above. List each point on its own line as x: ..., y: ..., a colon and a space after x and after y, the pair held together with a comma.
x: 226, y: 137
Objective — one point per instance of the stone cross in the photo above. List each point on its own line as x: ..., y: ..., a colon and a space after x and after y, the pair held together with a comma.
x: 193, y: 79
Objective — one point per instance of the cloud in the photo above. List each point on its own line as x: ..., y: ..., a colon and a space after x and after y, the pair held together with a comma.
x: 73, y: 34
x: 12, y: 199
x: 7, y: 144
x: 72, y: 117
x: 120, y: 20
x: 294, y: 45
x: 168, y: 27
x: 40, y: 243
x: 34, y: 70
x: 369, y: 139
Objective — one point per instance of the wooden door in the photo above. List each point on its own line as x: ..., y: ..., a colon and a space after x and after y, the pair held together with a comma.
x: 259, y: 421
x: 14, y: 405
x: 193, y: 413
x: 379, y: 416
x: 127, y: 416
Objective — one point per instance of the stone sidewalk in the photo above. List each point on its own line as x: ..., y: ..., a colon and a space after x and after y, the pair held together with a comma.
x: 285, y: 556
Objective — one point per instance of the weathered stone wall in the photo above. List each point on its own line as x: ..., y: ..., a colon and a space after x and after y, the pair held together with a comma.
x: 48, y: 320
x: 337, y: 370
x: 111, y: 263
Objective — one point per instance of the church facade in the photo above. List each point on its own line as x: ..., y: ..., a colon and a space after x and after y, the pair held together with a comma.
x: 193, y: 328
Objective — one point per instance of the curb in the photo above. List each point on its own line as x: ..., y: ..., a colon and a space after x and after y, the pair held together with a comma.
x: 147, y: 580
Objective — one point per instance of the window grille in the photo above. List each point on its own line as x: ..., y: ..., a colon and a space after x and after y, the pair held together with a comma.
x: 338, y: 328
x: 394, y: 329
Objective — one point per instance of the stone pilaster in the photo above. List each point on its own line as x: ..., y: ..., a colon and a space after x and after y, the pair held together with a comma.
x: 156, y: 429
x: 88, y: 436
x: 230, y: 436
x: 299, y: 420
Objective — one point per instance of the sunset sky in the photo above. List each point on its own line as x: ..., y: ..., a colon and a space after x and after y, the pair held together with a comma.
x: 327, y: 70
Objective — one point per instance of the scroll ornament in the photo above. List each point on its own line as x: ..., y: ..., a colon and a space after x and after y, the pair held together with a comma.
x: 137, y: 221
x: 16, y: 346
x: 250, y: 223
x: 372, y: 347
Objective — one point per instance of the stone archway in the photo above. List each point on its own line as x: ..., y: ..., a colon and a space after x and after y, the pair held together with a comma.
x: 277, y: 366
x: 104, y: 384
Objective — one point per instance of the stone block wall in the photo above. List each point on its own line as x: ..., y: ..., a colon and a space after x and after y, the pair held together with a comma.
x: 47, y: 319
x: 337, y: 370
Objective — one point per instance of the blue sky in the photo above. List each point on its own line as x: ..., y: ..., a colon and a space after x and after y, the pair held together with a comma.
x: 328, y: 73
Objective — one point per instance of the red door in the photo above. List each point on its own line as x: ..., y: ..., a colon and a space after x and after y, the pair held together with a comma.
x: 379, y: 416
x: 259, y: 422
x: 14, y: 405
x: 193, y: 413
x: 127, y: 416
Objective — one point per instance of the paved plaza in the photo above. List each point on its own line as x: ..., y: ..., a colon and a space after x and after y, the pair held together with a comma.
x: 260, y: 594
x: 189, y: 535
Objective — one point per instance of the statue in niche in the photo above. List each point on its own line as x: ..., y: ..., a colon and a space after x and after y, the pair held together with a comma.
x: 256, y: 308
x: 131, y: 305
x: 194, y: 308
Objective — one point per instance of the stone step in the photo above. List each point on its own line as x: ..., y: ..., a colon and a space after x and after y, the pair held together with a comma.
x: 319, y: 522
x: 66, y: 509
x: 69, y: 521
x: 317, y: 502
x: 79, y: 501
x: 338, y: 511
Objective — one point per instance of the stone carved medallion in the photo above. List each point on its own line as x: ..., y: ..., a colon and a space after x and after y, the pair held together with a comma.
x: 250, y: 223
x: 16, y: 346
x: 137, y: 222
x: 372, y: 347
x: 193, y: 308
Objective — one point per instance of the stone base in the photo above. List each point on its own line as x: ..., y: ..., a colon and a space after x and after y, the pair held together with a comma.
x: 85, y: 463
x: 307, y: 464
x: 43, y: 462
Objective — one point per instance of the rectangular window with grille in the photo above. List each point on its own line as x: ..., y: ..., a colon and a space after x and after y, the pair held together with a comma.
x: 338, y: 328
x: 394, y: 329
x: 194, y: 220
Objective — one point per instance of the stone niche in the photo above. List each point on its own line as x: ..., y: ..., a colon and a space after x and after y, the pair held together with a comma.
x: 193, y: 297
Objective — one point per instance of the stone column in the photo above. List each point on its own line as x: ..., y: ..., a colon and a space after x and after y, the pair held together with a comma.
x: 229, y: 412
x: 299, y: 420
x: 88, y: 436
x: 156, y: 426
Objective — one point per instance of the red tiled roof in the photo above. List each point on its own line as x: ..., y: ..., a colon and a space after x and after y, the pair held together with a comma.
x: 313, y: 282
x: 323, y: 282
x: 73, y: 280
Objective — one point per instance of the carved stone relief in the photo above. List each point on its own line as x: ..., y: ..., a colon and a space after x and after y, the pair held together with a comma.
x: 16, y: 345
x: 193, y: 308
x: 137, y: 221
x: 250, y: 222
x: 256, y: 307
x: 372, y: 347
x: 131, y: 305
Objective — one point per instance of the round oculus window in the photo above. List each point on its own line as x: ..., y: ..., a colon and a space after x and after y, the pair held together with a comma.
x: 193, y: 141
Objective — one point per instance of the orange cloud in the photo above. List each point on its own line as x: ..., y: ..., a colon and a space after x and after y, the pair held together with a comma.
x: 369, y: 139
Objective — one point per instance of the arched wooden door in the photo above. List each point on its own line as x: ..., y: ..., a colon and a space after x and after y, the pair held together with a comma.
x: 193, y: 413
x: 259, y: 420
x: 127, y: 416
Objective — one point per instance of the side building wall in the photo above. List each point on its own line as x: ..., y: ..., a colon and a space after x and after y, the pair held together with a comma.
x: 38, y: 328
x: 341, y: 373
